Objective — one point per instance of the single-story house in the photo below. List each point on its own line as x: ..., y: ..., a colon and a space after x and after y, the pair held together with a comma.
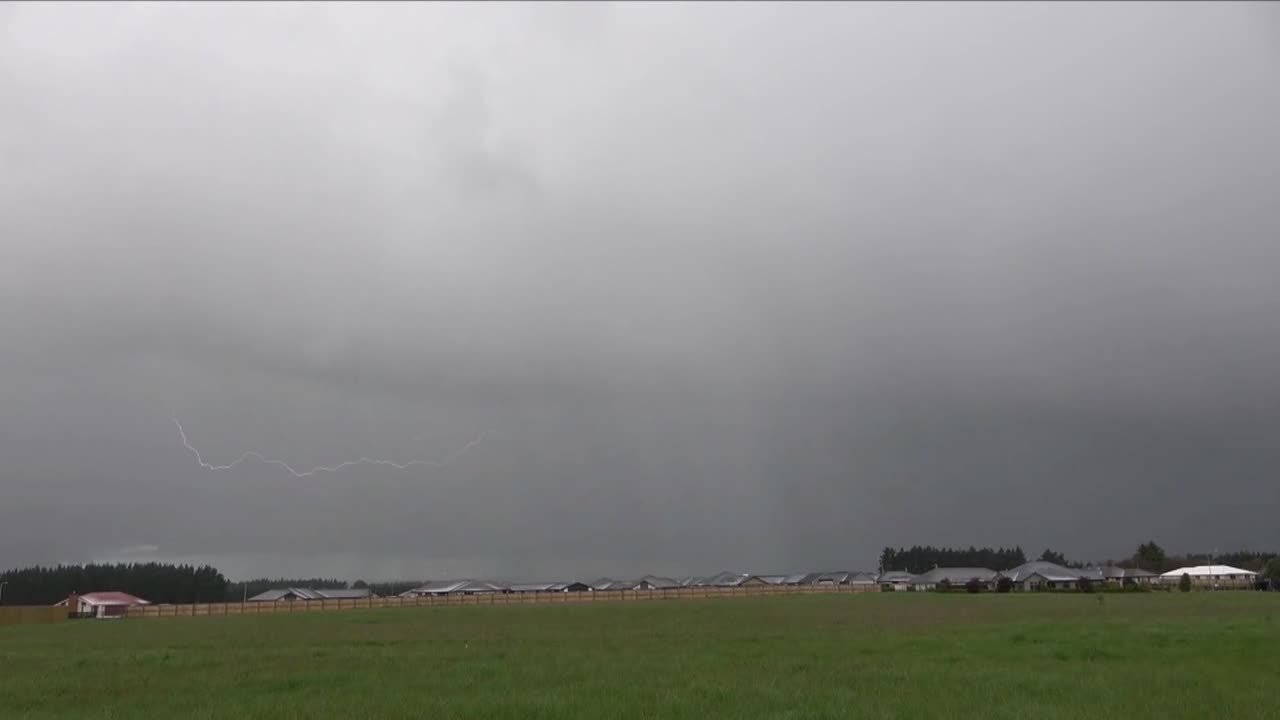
x: 1044, y: 575
x: 308, y: 594
x: 842, y: 577
x: 825, y: 578
x: 455, y: 587
x: 531, y: 587
x: 896, y: 580
x: 101, y: 605
x: 863, y: 578
x: 650, y: 582
x: 1212, y: 576
x: 1092, y: 574
x: 730, y: 579
x: 773, y: 579
x: 1125, y: 576
x: 548, y: 587
x: 570, y: 587
x: 955, y: 577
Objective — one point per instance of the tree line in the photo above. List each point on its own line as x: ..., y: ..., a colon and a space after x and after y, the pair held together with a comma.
x: 236, y: 591
x: 157, y: 582
x: 919, y: 559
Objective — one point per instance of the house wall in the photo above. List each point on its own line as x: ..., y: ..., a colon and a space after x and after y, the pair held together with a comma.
x: 1035, y: 582
x: 1208, y: 582
x: 1139, y: 580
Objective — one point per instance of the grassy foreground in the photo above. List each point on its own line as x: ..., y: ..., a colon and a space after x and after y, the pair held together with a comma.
x: 865, y: 656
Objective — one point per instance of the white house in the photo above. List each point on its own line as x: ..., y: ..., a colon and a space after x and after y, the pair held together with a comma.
x: 1212, y: 576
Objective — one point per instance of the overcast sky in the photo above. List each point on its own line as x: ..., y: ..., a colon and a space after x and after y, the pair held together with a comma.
x: 755, y: 287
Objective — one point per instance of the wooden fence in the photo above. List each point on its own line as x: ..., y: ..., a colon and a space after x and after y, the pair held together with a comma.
x: 522, y: 598
x: 25, y: 614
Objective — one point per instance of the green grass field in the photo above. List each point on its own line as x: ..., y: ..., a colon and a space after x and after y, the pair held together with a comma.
x: 835, y: 656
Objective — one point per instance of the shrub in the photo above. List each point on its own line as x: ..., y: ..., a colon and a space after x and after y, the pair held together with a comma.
x: 973, y: 587
x: 944, y: 585
x: 1085, y: 585
x: 1004, y: 585
x: 1184, y: 583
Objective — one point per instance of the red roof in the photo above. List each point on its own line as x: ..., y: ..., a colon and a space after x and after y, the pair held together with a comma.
x: 112, y: 598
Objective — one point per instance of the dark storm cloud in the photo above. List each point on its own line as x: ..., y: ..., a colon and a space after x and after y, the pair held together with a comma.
x: 725, y: 286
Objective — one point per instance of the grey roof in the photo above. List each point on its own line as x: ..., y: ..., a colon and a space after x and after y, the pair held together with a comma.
x: 545, y: 586
x: 1111, y: 572
x: 839, y: 577
x: 773, y: 579
x: 445, y: 587
x: 1092, y: 573
x: 438, y: 587
x: 648, y: 581
x: 956, y: 576
x: 796, y: 579
x: 1047, y: 570
x: 534, y: 587
x: 570, y: 586
x: 655, y: 581
x: 611, y: 584
x: 896, y: 576
x: 280, y: 594
x: 723, y: 579
x: 310, y: 594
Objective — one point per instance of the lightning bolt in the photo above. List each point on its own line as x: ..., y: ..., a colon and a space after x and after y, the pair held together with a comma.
x: 254, y: 455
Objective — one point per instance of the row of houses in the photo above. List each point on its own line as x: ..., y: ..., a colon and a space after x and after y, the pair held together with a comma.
x: 1032, y: 576
x: 1042, y: 575
x: 647, y: 582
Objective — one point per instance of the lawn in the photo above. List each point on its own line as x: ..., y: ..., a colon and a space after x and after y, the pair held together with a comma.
x: 825, y: 656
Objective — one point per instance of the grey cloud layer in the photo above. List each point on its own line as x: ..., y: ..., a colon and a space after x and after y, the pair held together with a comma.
x: 750, y: 285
